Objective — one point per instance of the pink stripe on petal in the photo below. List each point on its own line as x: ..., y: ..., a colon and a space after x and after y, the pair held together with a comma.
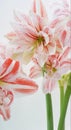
x: 35, y: 72
x: 28, y: 86
x: 30, y: 35
x: 30, y: 31
x: 25, y: 91
x: 22, y: 82
x: 34, y: 6
x: 63, y: 36
x: 43, y: 11
x: 5, y: 66
x: 12, y: 72
x: 26, y: 82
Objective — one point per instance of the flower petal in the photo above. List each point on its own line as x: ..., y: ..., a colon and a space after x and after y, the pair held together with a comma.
x: 42, y: 10
x: 22, y: 18
x: 5, y: 112
x: 25, y: 86
x: 12, y: 72
x: 5, y: 66
x: 35, y: 72
x: 65, y: 69
x: 66, y: 62
x: 65, y: 53
x: 27, y: 56
x: 10, y: 36
x: 14, y: 77
x: 48, y: 85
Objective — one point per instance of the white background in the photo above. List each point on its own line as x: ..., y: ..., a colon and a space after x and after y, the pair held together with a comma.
x: 28, y: 112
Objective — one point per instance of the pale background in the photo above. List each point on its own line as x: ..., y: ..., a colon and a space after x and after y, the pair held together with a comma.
x: 28, y: 112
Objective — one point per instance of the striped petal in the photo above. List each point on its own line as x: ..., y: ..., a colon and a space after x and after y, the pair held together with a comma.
x: 65, y: 53
x: 22, y: 18
x: 65, y: 63
x: 5, y: 66
x: 12, y: 77
x: 54, y: 23
x: 11, y: 36
x: 48, y: 85
x: 42, y: 10
x: 35, y: 72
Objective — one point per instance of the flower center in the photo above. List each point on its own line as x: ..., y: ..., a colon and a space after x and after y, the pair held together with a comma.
x: 40, y: 39
x: 48, y: 69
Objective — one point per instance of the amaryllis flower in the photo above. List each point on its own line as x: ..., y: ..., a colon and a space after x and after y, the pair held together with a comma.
x: 62, y: 22
x: 53, y: 68
x: 32, y: 31
x: 12, y: 82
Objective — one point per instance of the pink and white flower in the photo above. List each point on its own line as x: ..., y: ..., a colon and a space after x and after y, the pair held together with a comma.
x: 32, y: 31
x: 12, y: 82
x: 53, y: 68
x: 62, y: 22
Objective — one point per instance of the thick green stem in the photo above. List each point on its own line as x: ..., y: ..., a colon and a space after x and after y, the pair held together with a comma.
x: 61, y: 99
x: 64, y: 110
x: 49, y: 112
x: 65, y: 104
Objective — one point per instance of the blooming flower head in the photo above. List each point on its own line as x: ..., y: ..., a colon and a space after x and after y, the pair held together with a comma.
x: 12, y: 82
x: 53, y: 68
x: 32, y: 31
x: 62, y: 22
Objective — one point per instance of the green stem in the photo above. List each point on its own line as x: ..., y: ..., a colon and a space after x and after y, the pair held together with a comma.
x: 61, y: 99
x: 49, y: 112
x: 65, y: 104
x: 64, y: 110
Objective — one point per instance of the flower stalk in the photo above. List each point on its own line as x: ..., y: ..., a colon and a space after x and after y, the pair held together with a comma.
x: 49, y: 112
x: 65, y: 104
x: 61, y: 98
